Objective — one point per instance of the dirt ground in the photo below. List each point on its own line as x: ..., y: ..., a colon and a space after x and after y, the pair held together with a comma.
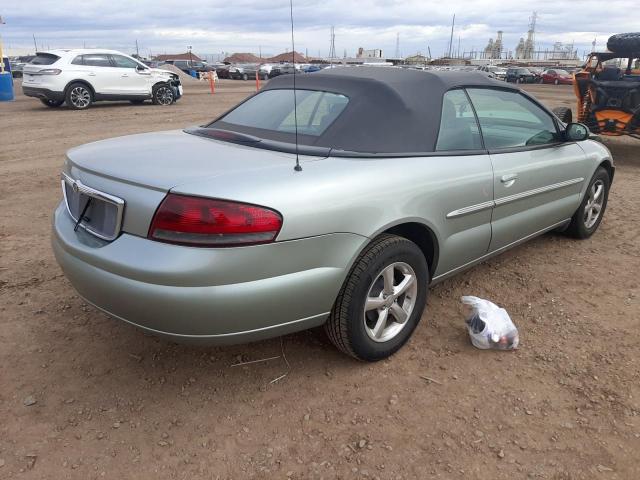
x: 83, y: 396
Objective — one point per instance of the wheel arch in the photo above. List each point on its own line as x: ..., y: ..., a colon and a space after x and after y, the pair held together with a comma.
x: 159, y: 83
x: 608, y: 166
x: 84, y: 82
x: 412, y: 229
x: 423, y: 236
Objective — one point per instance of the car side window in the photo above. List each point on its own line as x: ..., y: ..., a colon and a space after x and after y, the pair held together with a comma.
x: 458, y: 125
x: 511, y: 120
x: 79, y: 60
x: 97, y: 60
x: 124, y: 62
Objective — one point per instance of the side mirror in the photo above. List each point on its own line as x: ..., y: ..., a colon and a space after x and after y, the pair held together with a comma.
x: 576, y: 132
x: 140, y: 68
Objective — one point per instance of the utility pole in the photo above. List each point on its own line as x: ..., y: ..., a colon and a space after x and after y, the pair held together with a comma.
x: 453, y: 23
x: 398, y: 45
x: 34, y: 43
x: 260, y: 50
x: 332, y: 47
x: 137, y: 50
x: 2, y: 22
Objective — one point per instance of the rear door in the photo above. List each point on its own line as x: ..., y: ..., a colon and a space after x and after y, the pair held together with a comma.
x: 537, y: 177
x: 98, y: 70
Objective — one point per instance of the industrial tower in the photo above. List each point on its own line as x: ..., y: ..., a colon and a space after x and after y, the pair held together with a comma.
x: 332, y: 48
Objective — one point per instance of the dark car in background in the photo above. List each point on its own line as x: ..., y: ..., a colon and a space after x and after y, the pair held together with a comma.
x: 285, y: 69
x: 520, y: 75
x: 247, y: 72
x: 223, y: 71
x: 18, y: 63
x: 152, y: 63
x: 537, y: 72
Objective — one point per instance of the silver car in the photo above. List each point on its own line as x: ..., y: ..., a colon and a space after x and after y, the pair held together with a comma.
x: 339, y: 212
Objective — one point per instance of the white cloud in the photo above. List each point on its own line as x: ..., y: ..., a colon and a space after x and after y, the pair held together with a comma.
x: 212, y: 25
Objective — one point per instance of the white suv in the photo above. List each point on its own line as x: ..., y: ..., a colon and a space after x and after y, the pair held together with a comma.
x: 83, y: 76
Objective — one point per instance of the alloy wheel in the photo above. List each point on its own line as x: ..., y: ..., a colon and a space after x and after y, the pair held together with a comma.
x: 164, y: 96
x: 80, y: 97
x: 390, y: 301
x: 593, y: 207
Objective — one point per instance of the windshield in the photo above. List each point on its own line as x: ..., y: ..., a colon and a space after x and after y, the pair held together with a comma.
x: 562, y: 72
x: 273, y: 110
x: 45, y: 59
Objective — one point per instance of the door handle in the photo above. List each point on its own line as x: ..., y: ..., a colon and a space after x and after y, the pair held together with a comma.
x: 91, y: 74
x: 125, y: 75
x: 509, y: 180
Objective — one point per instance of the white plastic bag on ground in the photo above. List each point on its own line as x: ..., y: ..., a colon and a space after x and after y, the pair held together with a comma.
x: 489, y: 325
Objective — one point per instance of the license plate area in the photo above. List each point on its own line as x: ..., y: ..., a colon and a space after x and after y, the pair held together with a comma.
x: 102, y: 217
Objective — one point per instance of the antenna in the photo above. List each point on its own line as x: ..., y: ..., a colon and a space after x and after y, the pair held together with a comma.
x: 297, y: 168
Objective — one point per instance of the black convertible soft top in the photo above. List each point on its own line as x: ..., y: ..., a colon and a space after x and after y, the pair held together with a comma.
x: 390, y: 110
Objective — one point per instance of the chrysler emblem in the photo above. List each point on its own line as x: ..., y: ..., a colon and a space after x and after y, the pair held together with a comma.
x: 74, y: 185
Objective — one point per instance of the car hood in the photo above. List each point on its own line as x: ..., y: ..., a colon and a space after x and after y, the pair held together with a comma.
x: 163, y: 160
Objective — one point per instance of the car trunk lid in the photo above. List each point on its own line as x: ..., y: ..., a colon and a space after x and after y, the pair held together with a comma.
x: 141, y: 169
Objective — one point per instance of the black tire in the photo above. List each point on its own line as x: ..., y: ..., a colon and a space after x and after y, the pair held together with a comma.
x: 346, y: 324
x: 163, y: 94
x: 51, y: 103
x: 78, y: 96
x: 137, y: 102
x: 564, y: 114
x: 624, y: 42
x: 264, y: 77
x: 245, y: 76
x: 578, y: 228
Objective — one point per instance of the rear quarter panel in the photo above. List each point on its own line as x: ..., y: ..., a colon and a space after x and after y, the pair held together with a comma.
x: 367, y: 196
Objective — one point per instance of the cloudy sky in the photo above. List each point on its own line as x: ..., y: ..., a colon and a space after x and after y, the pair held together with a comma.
x: 251, y: 25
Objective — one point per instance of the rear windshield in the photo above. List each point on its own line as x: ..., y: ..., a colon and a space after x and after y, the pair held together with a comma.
x: 44, y: 59
x: 273, y: 110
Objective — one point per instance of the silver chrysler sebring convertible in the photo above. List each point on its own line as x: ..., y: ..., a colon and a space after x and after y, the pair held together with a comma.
x: 336, y: 202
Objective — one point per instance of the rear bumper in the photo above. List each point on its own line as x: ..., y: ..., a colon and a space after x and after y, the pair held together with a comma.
x: 44, y: 93
x: 209, y: 296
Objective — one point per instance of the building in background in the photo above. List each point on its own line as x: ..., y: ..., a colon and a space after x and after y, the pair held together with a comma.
x: 375, y: 53
x: 177, y: 56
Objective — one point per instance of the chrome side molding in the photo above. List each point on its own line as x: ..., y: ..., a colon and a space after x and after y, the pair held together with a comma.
x: 512, y: 198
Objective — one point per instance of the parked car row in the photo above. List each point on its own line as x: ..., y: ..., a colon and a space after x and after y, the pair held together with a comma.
x: 555, y: 76
x: 264, y: 70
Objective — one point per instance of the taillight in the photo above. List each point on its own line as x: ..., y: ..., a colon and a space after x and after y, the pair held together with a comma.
x: 50, y: 71
x: 206, y: 222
